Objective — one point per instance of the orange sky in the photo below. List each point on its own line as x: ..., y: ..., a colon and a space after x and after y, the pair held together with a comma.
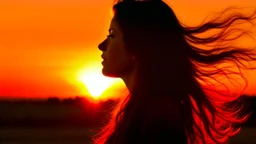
x: 44, y: 44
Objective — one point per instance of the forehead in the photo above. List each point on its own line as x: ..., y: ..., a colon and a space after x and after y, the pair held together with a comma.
x: 114, y: 27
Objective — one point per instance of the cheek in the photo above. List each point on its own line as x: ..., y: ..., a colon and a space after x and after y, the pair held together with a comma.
x: 118, y: 62
x: 117, y: 53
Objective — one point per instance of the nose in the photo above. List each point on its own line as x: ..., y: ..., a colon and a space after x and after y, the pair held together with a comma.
x: 103, y: 45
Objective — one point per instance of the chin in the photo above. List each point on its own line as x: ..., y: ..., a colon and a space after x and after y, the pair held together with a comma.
x: 110, y: 74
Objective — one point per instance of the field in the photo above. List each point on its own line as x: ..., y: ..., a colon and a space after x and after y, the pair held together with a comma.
x: 51, y: 122
x: 81, y: 136
x: 44, y: 136
x: 69, y: 123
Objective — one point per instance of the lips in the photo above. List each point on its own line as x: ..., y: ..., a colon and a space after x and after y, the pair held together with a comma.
x: 103, y: 57
x: 104, y: 60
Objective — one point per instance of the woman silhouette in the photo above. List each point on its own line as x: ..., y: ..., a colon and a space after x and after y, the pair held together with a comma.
x: 163, y: 64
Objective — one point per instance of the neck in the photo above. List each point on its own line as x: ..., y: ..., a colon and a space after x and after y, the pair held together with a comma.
x: 129, y: 79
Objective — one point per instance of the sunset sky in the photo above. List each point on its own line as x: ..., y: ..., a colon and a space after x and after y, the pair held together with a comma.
x: 49, y: 47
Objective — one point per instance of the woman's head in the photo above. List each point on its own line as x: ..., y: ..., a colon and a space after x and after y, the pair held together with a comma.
x: 144, y: 36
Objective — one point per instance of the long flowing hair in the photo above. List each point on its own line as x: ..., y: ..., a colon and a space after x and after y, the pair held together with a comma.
x: 180, y: 69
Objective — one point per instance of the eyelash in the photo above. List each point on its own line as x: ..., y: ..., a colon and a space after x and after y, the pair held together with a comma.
x: 110, y: 36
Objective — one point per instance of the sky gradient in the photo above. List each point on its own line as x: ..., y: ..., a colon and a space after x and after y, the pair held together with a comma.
x: 45, y: 45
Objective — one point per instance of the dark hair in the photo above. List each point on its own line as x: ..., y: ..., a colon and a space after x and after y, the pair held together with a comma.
x: 179, y: 70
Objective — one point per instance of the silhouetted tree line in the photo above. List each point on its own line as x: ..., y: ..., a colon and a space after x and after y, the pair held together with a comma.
x: 79, y: 111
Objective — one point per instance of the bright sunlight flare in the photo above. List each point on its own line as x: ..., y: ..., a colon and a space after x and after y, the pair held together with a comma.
x: 95, y: 82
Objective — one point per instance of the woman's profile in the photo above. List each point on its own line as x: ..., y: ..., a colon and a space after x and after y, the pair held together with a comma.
x: 166, y: 67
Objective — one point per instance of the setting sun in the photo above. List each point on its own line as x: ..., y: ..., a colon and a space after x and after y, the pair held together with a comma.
x: 95, y: 82
x: 50, y: 47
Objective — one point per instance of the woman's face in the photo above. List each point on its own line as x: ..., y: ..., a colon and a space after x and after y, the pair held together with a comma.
x: 116, y: 59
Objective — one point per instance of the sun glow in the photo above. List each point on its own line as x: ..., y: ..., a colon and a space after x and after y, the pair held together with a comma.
x: 95, y: 82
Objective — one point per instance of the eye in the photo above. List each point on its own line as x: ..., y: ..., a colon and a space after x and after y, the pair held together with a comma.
x: 110, y: 36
